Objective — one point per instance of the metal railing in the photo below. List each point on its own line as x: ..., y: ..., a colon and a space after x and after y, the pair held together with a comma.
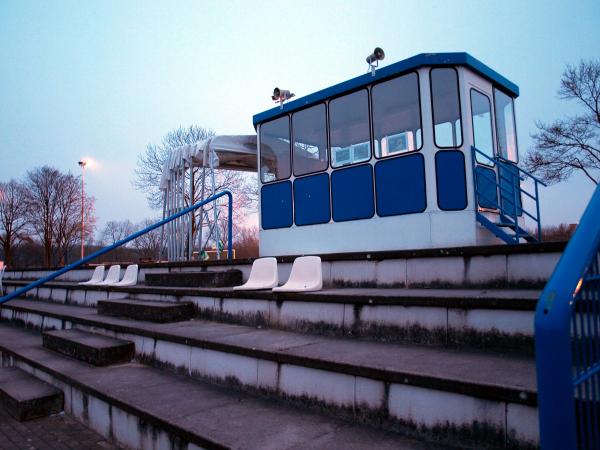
x: 567, y: 342
x: 510, y: 196
x: 129, y: 238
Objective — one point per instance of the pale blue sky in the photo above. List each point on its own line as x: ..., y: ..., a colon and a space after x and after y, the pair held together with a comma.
x: 105, y: 78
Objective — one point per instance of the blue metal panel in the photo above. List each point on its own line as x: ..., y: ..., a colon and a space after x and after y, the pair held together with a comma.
x: 509, y: 188
x: 485, y: 180
x: 400, y: 185
x: 421, y: 60
x: 276, y: 205
x: 451, y: 181
x: 311, y: 199
x: 352, y: 193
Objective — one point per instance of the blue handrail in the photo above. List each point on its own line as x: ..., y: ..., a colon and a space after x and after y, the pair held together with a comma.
x: 129, y: 238
x: 515, y: 191
x: 567, y: 342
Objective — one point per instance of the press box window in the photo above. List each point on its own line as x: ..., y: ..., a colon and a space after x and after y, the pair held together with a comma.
x: 505, y: 126
x: 275, y: 161
x: 397, y: 116
x: 310, y: 140
x: 481, y: 116
x: 445, y: 101
x: 349, y: 133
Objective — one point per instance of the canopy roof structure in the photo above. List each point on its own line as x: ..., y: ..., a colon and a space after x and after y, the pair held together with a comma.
x: 227, y: 152
x: 182, y: 184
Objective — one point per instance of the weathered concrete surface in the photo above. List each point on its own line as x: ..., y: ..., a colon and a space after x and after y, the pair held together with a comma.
x: 525, y: 265
x: 160, y: 312
x: 189, y: 413
x: 57, y: 432
x: 517, y: 299
x: 89, y: 347
x: 209, y: 279
x: 25, y: 397
x: 495, y: 377
x: 484, y: 319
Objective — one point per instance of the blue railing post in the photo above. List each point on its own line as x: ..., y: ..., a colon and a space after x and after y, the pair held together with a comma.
x: 515, y: 215
x: 537, y: 214
x: 129, y: 238
x: 558, y: 342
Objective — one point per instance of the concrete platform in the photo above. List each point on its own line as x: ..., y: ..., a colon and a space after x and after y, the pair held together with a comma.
x: 25, y: 397
x: 131, y: 405
x: 160, y: 312
x: 89, y: 347
x: 210, y: 279
x: 429, y: 387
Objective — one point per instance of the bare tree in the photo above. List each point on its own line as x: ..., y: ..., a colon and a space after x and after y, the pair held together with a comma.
x: 41, y: 205
x: 67, y: 228
x: 54, y: 210
x: 148, y: 245
x: 571, y: 144
x: 246, y: 243
x: 150, y: 163
x: 13, y: 217
x: 115, y: 230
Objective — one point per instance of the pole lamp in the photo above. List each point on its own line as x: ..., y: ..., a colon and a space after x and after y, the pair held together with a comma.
x: 82, y: 165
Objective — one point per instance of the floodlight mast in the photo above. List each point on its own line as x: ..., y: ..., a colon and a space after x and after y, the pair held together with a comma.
x: 82, y: 164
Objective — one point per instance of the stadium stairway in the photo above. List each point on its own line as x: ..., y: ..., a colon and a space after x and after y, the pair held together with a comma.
x: 424, y: 349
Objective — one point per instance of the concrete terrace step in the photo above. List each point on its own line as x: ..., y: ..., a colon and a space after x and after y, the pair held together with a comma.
x: 226, y: 278
x: 526, y: 265
x: 492, y: 319
x: 25, y: 397
x: 382, y: 381
x: 142, y: 407
x: 151, y: 311
x: 519, y: 299
x: 92, y: 348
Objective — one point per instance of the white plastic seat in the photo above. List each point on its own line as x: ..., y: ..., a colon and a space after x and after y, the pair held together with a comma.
x: 263, y: 275
x: 131, y: 276
x: 306, y: 276
x: 114, y: 273
x: 97, y: 276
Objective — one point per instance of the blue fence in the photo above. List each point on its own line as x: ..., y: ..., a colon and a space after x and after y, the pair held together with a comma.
x: 129, y: 238
x: 567, y: 340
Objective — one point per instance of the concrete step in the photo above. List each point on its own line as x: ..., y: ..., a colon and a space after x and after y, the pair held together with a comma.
x: 92, y: 348
x: 486, y: 319
x: 141, y: 407
x: 516, y: 266
x: 430, y: 389
x: 25, y: 397
x: 210, y: 279
x: 150, y: 311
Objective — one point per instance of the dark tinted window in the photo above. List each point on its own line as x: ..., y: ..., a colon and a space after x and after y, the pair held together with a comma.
x: 396, y: 116
x: 445, y: 100
x: 349, y: 133
x: 310, y: 140
x: 275, y: 150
